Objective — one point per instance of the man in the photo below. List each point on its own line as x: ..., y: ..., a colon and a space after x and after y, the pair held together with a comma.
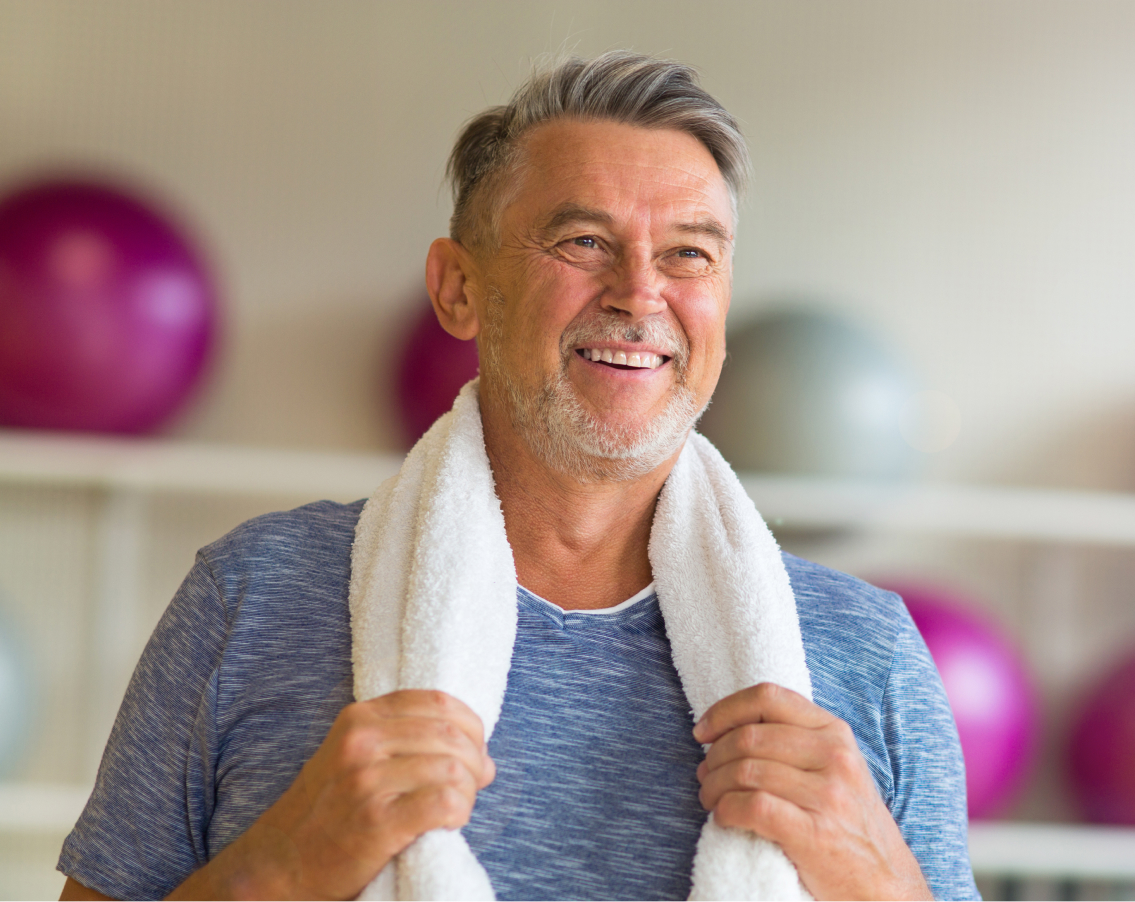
x: 590, y: 256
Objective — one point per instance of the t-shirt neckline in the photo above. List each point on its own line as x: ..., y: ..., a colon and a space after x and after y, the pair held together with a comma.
x: 622, y: 606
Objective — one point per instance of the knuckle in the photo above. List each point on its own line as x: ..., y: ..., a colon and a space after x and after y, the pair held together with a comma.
x: 452, y: 805
x: 447, y: 732
x: 759, y: 806
x: 351, y: 718
x: 749, y: 773
x: 359, y: 782
x: 356, y: 746
x: 842, y: 731
x: 726, y: 815
x: 442, y: 701
x: 843, y: 758
x: 749, y: 739
x: 452, y: 770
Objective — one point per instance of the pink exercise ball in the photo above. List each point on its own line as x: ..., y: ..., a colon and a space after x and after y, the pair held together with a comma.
x: 107, y: 313
x: 1102, y: 748
x: 990, y: 694
x: 432, y: 368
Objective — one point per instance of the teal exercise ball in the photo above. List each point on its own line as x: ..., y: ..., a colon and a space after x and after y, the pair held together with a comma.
x: 16, y: 708
x: 809, y: 392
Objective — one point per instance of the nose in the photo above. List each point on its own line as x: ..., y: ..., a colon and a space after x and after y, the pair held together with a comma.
x: 634, y: 291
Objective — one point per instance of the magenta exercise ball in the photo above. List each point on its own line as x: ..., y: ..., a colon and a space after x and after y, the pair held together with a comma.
x: 990, y: 693
x: 432, y: 368
x: 1102, y: 748
x: 107, y: 313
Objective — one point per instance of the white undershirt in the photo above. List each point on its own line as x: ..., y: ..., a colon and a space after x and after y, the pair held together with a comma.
x: 622, y: 606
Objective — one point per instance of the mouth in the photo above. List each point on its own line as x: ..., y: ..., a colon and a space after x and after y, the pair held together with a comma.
x: 619, y: 359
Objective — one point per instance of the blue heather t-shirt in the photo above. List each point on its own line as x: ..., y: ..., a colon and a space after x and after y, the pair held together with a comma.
x: 595, y: 795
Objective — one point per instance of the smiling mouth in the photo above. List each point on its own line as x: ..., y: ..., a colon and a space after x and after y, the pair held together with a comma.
x: 622, y: 360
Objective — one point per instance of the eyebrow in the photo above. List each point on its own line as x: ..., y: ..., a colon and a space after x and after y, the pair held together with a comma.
x: 572, y: 214
x: 709, y: 227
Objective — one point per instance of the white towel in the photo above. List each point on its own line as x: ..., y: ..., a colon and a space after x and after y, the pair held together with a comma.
x: 433, y: 606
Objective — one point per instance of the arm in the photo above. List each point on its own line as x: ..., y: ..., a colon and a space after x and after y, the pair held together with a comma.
x: 784, y: 768
x: 389, y: 770
x: 928, y: 796
x: 73, y: 889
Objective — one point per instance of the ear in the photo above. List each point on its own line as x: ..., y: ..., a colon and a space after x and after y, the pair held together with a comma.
x: 451, y: 274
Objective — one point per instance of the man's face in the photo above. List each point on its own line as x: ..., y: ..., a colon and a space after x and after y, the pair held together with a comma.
x: 616, y: 245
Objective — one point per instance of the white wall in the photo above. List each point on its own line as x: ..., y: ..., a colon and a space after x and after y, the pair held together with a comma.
x: 958, y: 174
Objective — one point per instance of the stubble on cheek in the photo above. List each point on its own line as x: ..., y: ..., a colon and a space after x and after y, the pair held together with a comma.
x: 554, y: 423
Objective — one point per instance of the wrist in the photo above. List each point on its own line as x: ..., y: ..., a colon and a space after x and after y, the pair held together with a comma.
x: 910, y: 883
x: 266, y: 866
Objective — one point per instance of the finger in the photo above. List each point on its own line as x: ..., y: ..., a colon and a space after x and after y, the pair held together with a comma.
x: 488, y: 772
x: 792, y: 745
x: 763, y: 703
x: 429, y: 703
x: 766, y: 815
x: 396, y: 776
x: 414, y: 736
x: 410, y: 815
x: 803, y: 789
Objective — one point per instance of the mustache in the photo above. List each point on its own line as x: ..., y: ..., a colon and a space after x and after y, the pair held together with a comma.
x: 656, y: 332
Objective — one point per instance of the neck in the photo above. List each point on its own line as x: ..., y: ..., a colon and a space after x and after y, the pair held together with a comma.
x: 581, y: 545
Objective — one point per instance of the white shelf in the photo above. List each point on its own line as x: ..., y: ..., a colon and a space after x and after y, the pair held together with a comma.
x: 41, y: 807
x: 30, y: 458
x: 172, y: 466
x: 1058, y: 851
x: 987, y: 511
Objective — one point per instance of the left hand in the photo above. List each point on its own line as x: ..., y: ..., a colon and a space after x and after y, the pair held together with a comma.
x: 789, y: 771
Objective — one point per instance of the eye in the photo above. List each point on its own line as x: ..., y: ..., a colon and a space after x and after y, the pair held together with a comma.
x: 683, y: 262
x: 585, y: 241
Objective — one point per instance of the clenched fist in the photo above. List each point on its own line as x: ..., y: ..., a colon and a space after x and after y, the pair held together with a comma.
x: 789, y: 771
x: 389, y: 770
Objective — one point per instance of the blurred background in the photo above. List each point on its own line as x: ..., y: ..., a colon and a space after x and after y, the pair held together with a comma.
x: 943, y: 202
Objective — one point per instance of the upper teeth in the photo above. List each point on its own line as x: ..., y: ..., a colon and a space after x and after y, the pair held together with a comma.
x: 606, y: 355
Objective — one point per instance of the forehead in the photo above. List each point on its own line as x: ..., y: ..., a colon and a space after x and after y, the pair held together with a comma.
x: 624, y: 170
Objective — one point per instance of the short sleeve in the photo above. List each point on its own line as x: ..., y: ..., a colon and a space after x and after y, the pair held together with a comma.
x: 142, y: 831
x: 929, y: 801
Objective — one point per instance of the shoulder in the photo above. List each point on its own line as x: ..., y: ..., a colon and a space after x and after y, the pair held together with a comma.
x: 831, y: 602
x: 844, y: 619
x: 322, y: 527
x: 282, y: 581
x: 850, y: 629
x: 285, y: 551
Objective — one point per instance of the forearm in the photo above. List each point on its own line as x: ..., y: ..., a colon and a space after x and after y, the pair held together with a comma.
x: 263, y: 863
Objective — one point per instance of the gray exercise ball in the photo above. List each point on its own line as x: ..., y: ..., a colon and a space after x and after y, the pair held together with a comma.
x: 810, y: 392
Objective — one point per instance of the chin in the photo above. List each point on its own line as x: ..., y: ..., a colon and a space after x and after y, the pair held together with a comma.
x: 571, y: 440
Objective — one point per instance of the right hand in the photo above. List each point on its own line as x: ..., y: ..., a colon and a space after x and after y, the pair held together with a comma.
x: 390, y: 769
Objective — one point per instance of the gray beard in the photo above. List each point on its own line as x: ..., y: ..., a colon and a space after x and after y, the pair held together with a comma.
x: 552, y: 420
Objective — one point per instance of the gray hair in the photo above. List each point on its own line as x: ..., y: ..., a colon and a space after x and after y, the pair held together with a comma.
x: 621, y: 86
